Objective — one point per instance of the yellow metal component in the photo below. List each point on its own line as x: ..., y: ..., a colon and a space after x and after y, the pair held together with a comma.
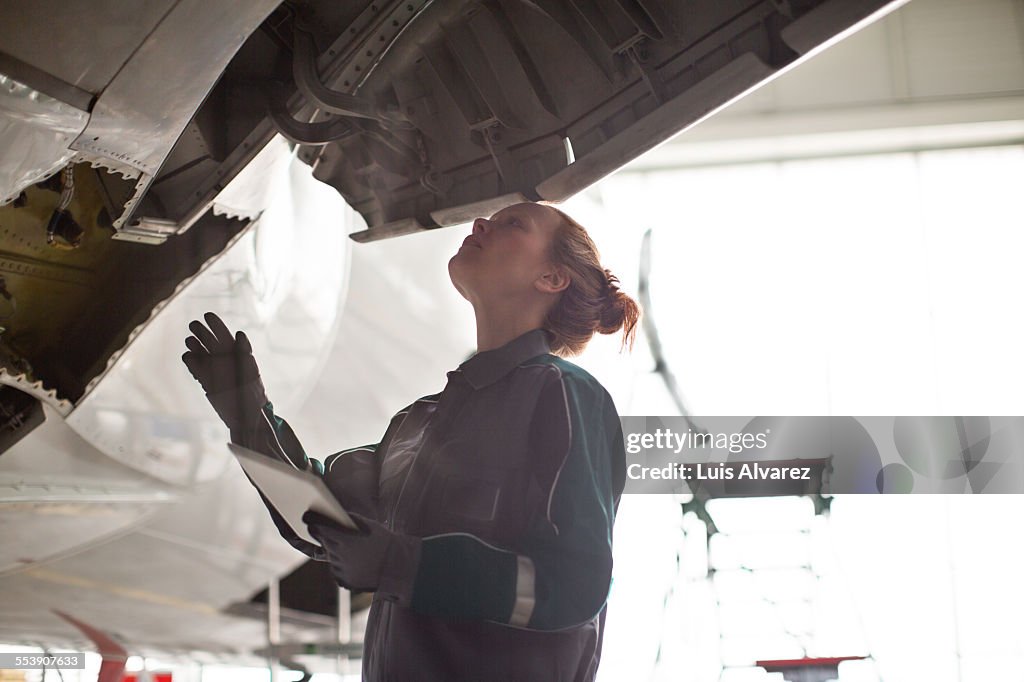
x: 51, y: 287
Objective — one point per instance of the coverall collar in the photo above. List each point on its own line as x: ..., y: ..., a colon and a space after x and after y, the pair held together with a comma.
x: 488, y: 366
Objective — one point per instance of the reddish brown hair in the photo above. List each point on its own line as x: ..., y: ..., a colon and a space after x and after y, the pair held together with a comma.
x: 592, y: 303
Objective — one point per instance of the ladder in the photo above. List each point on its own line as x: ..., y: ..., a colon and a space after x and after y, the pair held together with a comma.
x: 742, y: 566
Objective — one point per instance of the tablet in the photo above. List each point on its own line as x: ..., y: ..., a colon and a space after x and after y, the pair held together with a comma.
x: 292, y: 492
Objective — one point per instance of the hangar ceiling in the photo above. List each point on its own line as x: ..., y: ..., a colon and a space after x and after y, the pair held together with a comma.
x: 933, y: 74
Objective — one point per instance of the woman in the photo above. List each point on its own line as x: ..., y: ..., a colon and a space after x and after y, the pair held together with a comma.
x: 486, y: 509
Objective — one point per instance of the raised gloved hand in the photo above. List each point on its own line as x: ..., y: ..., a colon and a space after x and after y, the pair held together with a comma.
x: 227, y: 371
x: 374, y: 560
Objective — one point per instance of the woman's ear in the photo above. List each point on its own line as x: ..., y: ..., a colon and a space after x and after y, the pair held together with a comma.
x: 553, y: 280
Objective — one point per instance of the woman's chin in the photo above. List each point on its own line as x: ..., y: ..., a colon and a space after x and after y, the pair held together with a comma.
x: 460, y: 259
x: 453, y: 275
x: 453, y: 266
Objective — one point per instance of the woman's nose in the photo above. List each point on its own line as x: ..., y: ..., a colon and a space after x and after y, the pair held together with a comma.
x: 480, y: 225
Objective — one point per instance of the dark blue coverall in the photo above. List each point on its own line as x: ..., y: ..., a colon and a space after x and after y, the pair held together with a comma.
x: 511, y: 476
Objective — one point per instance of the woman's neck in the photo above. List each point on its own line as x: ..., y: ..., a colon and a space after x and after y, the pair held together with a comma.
x: 495, y: 328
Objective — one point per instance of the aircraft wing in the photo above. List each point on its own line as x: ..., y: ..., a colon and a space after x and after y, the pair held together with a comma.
x: 420, y: 113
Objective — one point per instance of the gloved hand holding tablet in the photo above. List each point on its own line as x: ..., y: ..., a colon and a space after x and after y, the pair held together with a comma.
x: 292, y: 492
x: 372, y: 559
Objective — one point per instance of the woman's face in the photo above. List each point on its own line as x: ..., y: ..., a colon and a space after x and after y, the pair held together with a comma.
x: 506, y: 256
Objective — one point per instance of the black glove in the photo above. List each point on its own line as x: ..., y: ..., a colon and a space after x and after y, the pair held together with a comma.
x: 227, y: 371
x: 373, y: 558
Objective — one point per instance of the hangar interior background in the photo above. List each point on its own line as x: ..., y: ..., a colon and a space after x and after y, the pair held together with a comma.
x: 843, y: 241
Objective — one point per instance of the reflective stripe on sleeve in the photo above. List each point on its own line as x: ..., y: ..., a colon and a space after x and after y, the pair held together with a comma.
x: 525, y: 596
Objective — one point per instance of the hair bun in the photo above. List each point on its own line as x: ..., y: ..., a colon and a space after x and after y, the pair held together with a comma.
x: 613, y: 308
x: 611, y: 284
x: 593, y: 302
